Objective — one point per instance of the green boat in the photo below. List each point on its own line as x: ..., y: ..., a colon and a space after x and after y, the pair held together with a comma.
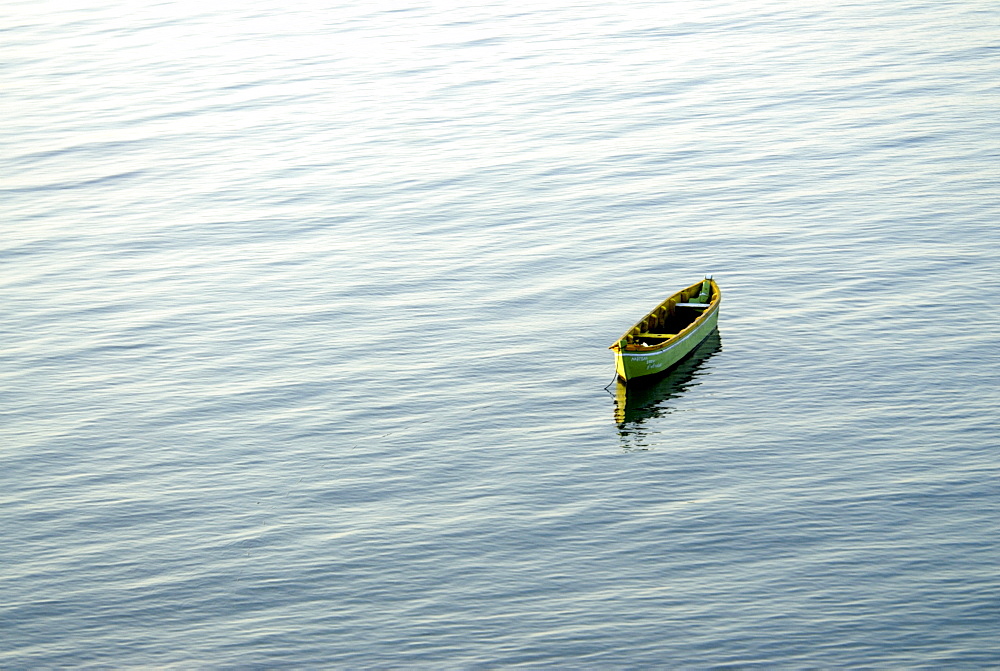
x: 669, y: 332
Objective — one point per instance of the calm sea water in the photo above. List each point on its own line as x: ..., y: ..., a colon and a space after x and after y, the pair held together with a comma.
x: 305, y: 311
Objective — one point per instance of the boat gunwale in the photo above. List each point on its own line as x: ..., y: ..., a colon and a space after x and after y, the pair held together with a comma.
x: 666, y: 344
x: 711, y: 306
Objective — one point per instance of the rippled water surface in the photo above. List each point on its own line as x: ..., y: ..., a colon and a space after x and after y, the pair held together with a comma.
x: 305, y: 315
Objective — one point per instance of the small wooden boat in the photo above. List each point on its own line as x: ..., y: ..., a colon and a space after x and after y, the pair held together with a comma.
x: 670, y: 331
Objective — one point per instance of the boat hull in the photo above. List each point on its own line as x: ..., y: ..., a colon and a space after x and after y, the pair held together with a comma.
x: 652, y: 396
x: 631, y: 365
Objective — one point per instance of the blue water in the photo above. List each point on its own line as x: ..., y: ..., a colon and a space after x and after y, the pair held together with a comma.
x: 305, y: 313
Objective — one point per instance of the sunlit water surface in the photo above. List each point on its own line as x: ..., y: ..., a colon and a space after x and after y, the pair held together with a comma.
x: 305, y: 311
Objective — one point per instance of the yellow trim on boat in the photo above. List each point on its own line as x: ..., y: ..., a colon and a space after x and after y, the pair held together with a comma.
x: 648, y: 346
x: 662, y: 312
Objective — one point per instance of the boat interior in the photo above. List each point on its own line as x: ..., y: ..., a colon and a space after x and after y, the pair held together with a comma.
x: 671, y: 317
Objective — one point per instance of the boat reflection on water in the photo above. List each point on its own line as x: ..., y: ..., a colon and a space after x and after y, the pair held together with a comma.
x: 645, y: 399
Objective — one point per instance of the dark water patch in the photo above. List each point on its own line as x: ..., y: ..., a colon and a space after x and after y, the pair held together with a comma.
x: 59, y: 186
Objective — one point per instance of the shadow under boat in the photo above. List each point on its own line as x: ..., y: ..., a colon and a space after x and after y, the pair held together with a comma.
x: 647, y: 397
